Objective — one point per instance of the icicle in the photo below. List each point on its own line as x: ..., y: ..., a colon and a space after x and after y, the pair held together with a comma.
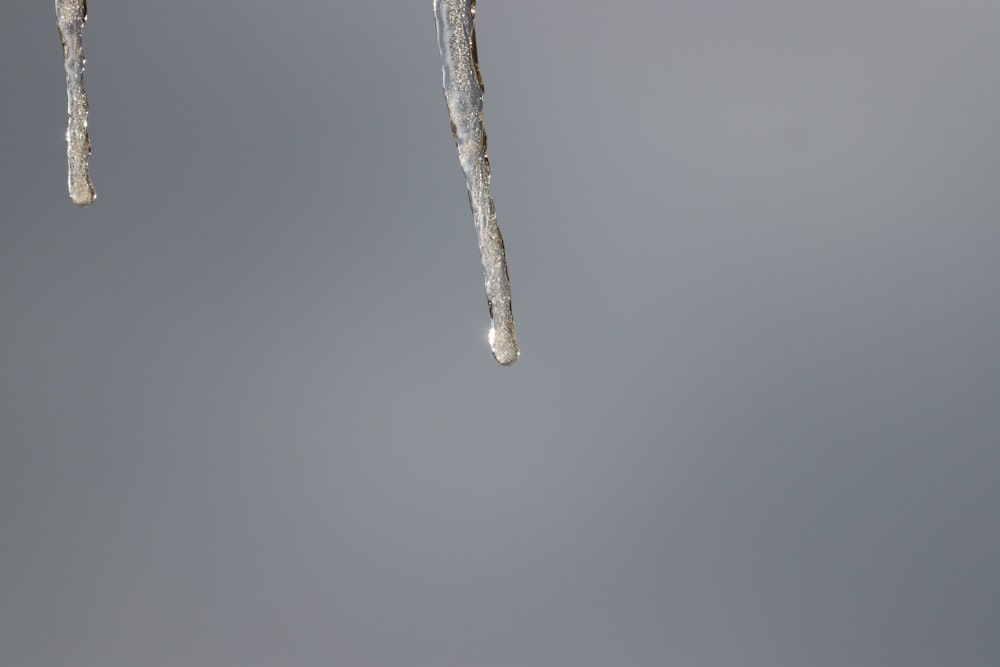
x: 463, y: 91
x: 72, y: 14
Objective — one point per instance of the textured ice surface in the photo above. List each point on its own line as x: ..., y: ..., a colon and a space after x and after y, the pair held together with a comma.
x: 463, y: 91
x: 72, y: 14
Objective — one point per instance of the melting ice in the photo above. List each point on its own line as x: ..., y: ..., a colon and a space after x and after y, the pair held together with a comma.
x: 463, y: 91
x: 463, y: 88
x: 72, y: 14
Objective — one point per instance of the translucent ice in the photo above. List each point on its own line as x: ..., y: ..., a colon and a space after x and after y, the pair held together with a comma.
x: 72, y: 14
x: 463, y: 91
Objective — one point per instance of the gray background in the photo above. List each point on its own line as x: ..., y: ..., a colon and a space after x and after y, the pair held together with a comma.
x: 249, y: 417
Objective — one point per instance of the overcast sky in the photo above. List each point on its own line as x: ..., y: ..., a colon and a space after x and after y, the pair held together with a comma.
x: 249, y: 416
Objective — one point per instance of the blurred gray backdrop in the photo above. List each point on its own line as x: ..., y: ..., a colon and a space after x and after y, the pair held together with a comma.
x: 249, y: 417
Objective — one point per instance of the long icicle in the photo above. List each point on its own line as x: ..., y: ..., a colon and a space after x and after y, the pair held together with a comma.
x: 72, y: 14
x: 463, y: 91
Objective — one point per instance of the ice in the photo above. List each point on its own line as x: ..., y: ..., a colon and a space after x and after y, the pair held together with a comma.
x: 72, y: 14
x: 463, y: 91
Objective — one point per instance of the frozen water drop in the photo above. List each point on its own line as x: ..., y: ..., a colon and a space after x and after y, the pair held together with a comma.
x: 463, y: 91
x: 71, y: 15
x: 504, y: 344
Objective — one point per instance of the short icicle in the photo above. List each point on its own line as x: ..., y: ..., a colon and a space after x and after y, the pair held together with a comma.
x: 72, y: 14
x: 463, y: 91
